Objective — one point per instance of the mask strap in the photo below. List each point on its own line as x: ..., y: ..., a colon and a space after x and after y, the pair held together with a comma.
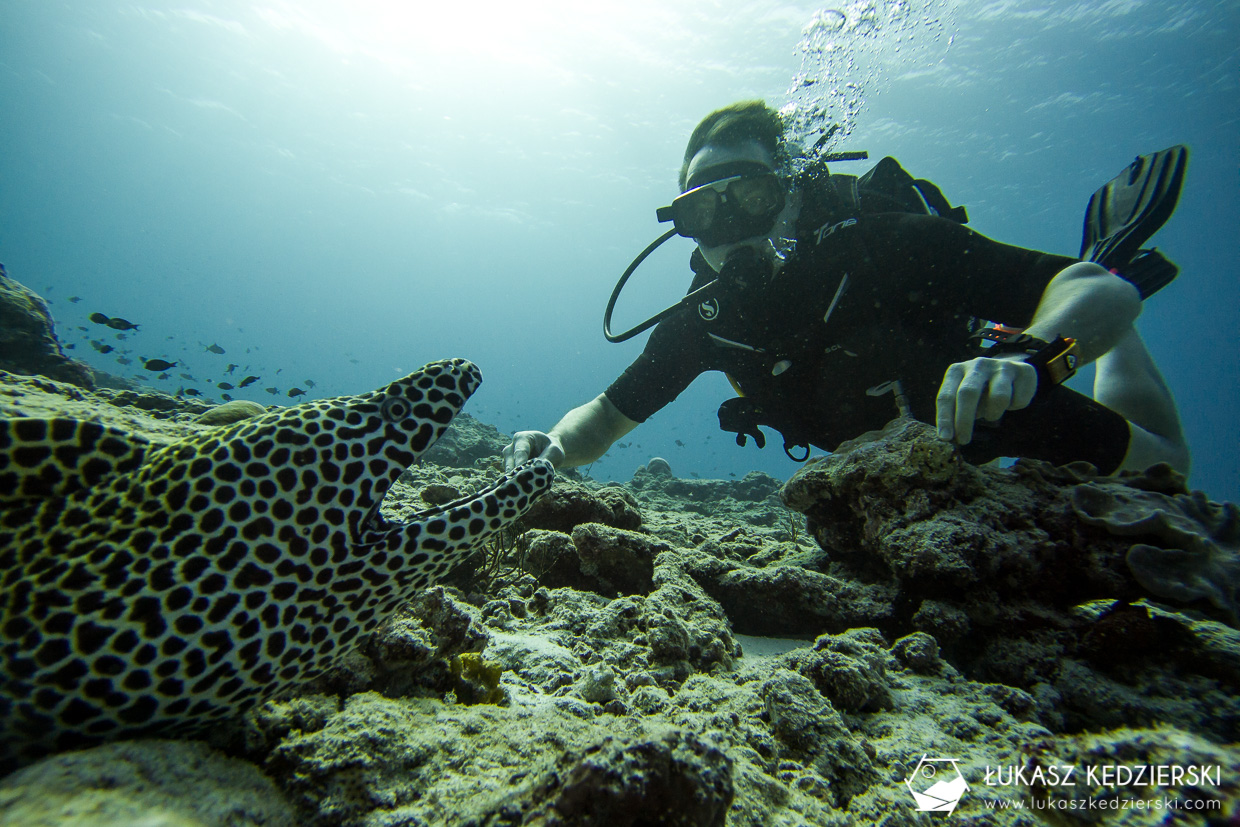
x: 710, y: 175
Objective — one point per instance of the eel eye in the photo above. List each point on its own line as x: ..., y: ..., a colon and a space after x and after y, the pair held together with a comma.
x: 394, y: 409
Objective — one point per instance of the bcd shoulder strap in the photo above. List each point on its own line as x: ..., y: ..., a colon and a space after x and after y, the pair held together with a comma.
x: 888, y: 187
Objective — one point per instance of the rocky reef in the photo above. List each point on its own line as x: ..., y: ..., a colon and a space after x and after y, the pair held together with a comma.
x: 706, y: 652
x: 700, y: 653
x: 28, y: 342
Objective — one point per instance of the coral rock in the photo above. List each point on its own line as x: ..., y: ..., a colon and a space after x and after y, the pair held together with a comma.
x: 676, y: 781
x: 146, y: 782
x: 813, y: 733
x: 616, y: 561
x: 570, y: 504
x: 28, y: 343
x: 1198, y: 551
x: 850, y: 669
x: 659, y: 467
x: 230, y: 412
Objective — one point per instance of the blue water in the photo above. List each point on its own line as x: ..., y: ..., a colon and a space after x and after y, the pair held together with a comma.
x: 342, y: 191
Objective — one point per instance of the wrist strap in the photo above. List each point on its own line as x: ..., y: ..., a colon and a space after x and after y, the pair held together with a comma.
x: 1054, y: 361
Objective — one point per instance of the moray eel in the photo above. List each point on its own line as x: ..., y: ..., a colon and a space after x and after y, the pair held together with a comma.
x: 155, y: 589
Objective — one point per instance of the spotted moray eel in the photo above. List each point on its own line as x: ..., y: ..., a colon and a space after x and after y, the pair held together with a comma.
x: 155, y: 589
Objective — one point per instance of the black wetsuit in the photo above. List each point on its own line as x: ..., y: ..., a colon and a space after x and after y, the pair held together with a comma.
x: 912, y: 286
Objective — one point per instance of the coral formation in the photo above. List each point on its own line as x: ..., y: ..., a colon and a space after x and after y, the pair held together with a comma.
x: 230, y: 412
x: 1195, y: 553
x: 659, y: 467
x: 28, y: 343
x: 164, y: 783
x: 998, y: 616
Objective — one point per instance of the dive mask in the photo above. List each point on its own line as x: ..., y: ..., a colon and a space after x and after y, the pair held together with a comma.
x: 744, y: 200
x: 724, y: 204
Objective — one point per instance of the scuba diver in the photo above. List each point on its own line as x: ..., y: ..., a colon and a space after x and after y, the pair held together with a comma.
x: 835, y: 303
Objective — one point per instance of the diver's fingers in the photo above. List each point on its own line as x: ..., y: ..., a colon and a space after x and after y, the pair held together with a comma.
x: 998, y: 397
x: 1012, y: 386
x: 945, y: 401
x: 1024, y: 385
x: 968, y: 396
x: 517, y: 451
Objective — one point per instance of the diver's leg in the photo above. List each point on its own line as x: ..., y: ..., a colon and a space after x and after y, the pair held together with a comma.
x: 1128, y: 382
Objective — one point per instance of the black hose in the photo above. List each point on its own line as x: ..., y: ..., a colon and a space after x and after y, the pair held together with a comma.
x: 687, y: 301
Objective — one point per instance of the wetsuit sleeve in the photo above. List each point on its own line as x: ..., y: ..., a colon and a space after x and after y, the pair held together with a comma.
x: 671, y: 360
x: 927, y: 261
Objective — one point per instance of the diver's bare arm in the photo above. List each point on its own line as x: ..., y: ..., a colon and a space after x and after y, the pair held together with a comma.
x: 585, y: 433
x: 1087, y: 303
x: 1084, y: 302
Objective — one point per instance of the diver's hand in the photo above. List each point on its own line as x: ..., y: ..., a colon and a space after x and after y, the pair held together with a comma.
x: 982, y: 388
x: 527, y: 445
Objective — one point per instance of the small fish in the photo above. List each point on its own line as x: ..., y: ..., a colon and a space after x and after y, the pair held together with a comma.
x: 231, y: 367
x: 70, y: 347
x: 186, y: 376
x: 102, y: 348
x: 214, y: 348
x: 99, y: 318
x: 162, y: 376
x: 124, y: 360
x: 226, y: 397
x: 82, y: 327
x: 75, y: 299
x: 681, y: 444
x: 272, y: 390
x: 118, y: 323
x: 192, y: 392
x: 296, y: 392
x: 309, y: 383
x: 224, y: 386
x: 158, y: 364
x: 249, y: 380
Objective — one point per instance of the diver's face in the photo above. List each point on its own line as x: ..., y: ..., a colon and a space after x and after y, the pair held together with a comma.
x: 700, y: 171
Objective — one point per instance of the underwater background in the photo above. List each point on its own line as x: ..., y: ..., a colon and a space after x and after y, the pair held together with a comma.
x: 327, y: 195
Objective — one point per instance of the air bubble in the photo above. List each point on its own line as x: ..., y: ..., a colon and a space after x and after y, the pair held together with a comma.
x: 831, y: 20
x: 848, y: 54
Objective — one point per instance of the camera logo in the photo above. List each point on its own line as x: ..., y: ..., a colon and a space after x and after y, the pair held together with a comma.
x: 936, y: 784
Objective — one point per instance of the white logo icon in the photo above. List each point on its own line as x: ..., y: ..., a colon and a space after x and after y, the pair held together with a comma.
x: 709, y: 309
x: 936, y: 784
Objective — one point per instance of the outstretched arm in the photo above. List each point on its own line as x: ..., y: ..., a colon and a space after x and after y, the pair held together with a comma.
x: 583, y: 435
